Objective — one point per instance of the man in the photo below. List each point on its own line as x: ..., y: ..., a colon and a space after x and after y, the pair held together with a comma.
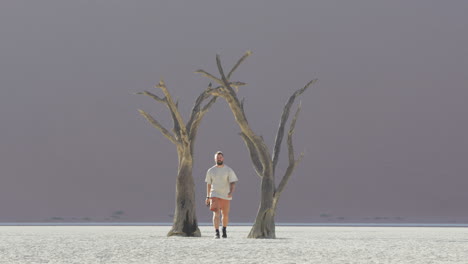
x: 220, y: 184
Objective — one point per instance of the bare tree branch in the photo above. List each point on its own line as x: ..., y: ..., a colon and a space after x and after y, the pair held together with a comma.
x: 198, y: 112
x: 203, y: 112
x: 236, y: 85
x: 292, y: 127
x: 242, y: 106
x: 178, y: 121
x: 208, y: 105
x: 193, y: 127
x: 155, y: 97
x: 225, y: 80
x: 157, y: 125
x: 197, y: 106
x: 247, y: 54
x: 283, y: 120
x: 210, y: 76
x: 176, y: 130
x: 231, y: 98
x: 292, y: 163
x: 253, y: 154
x: 232, y: 84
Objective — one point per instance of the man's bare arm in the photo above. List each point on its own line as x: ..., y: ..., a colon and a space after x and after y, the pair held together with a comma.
x: 208, y: 190
x: 232, y: 187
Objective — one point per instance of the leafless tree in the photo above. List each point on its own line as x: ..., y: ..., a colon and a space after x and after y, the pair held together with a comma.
x: 264, y: 163
x: 183, y: 136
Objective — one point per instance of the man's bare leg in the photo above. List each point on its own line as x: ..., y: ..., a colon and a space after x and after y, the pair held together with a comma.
x: 216, y: 219
x: 216, y: 222
x: 225, y: 214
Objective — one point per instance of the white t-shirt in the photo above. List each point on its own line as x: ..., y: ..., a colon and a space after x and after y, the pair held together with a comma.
x: 220, y: 179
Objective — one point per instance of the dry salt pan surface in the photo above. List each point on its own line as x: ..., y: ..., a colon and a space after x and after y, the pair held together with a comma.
x: 149, y: 244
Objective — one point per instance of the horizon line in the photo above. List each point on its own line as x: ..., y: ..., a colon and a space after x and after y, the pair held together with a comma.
x: 361, y: 224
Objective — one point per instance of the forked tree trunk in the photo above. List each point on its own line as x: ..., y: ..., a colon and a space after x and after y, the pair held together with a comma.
x: 185, y: 220
x: 263, y: 162
x: 183, y: 136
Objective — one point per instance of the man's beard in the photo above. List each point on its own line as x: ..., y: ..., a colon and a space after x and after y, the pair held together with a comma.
x: 219, y: 163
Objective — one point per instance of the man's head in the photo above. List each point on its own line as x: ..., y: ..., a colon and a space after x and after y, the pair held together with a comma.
x: 219, y: 158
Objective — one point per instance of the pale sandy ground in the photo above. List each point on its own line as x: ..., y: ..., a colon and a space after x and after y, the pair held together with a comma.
x: 141, y: 244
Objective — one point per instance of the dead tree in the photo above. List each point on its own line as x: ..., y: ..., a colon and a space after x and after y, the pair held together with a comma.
x: 263, y: 162
x: 183, y: 136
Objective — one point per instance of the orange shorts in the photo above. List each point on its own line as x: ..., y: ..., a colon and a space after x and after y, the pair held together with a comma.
x: 218, y: 203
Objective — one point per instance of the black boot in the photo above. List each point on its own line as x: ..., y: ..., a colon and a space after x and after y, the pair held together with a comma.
x: 217, y: 234
x: 224, y: 232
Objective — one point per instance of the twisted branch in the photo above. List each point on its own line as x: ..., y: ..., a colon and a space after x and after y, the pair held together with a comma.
x: 155, y: 97
x: 247, y: 54
x: 220, y: 81
x: 157, y: 125
x: 198, y: 112
x: 253, y: 154
x: 292, y: 162
x: 284, y: 119
x: 206, y: 74
x: 261, y: 150
x: 179, y: 125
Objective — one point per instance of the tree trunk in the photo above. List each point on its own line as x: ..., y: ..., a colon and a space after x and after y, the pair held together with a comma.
x: 185, y: 220
x: 264, y: 226
x: 183, y: 136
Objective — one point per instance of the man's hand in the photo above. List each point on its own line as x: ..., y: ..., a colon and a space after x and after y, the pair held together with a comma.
x: 207, y: 201
x: 230, y: 194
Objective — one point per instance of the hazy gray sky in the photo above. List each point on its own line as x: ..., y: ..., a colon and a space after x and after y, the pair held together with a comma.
x: 384, y: 131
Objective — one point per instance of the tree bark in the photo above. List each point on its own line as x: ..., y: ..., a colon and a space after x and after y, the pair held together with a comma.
x: 185, y: 220
x: 264, y: 225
